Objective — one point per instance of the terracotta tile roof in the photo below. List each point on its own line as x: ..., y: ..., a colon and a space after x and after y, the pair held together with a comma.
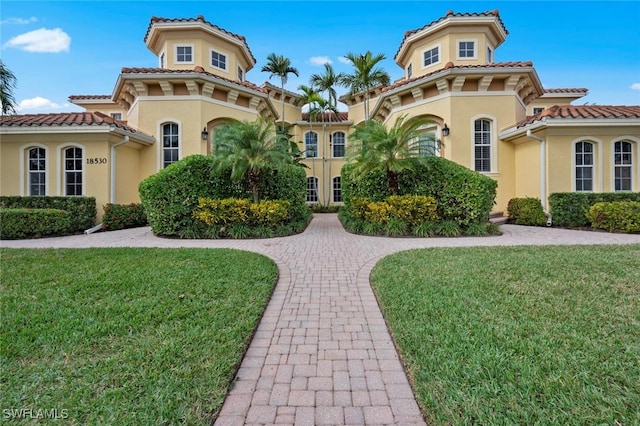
x: 583, y: 112
x: 565, y: 90
x: 335, y: 118
x: 77, y: 97
x: 450, y: 14
x: 199, y: 18
x: 197, y: 69
x: 70, y: 119
x: 449, y: 65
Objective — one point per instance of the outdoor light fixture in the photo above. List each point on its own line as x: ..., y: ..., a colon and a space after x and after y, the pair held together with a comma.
x: 205, y: 134
x: 445, y: 130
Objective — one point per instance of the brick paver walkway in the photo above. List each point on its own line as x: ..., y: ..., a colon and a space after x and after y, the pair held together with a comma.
x: 322, y: 354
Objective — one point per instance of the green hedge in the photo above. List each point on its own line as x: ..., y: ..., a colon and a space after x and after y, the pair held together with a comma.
x: 82, y: 210
x: 122, y: 216
x: 526, y: 211
x: 33, y: 223
x: 618, y: 216
x: 462, y: 196
x: 170, y: 196
x: 569, y: 209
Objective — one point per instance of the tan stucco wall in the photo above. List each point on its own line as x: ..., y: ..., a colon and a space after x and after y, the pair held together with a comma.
x: 527, y: 165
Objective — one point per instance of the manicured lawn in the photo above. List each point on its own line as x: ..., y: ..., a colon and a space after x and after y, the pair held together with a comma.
x: 518, y: 335
x: 127, y: 336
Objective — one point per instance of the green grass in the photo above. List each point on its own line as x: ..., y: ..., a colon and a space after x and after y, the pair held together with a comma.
x: 127, y: 336
x: 518, y: 335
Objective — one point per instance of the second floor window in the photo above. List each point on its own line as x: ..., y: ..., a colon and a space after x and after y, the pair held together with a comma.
x: 311, y: 144
x: 409, y: 71
x: 184, y: 54
x: 338, y: 144
x: 218, y: 60
x: 431, y: 56
x: 240, y: 74
x: 466, y: 49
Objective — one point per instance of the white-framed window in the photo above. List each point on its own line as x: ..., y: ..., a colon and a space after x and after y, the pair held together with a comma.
x: 73, y: 171
x: 161, y: 60
x: 431, y: 56
x: 584, y: 164
x: 311, y: 144
x: 537, y: 110
x: 116, y: 115
x: 184, y: 54
x: 312, y: 189
x: 338, y: 142
x: 467, y: 49
x: 622, y: 166
x: 37, y: 171
x: 337, y: 189
x: 409, y: 71
x: 489, y: 55
x: 427, y: 144
x: 240, y: 74
x: 218, y: 60
x: 482, y: 145
x: 170, y: 143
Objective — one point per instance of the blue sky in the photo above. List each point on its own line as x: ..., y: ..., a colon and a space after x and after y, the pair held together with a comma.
x: 57, y: 49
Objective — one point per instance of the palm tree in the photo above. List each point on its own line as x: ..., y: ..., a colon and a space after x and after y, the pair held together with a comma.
x: 365, y: 76
x: 278, y: 65
x: 7, y: 84
x: 385, y: 149
x: 324, y: 108
x: 326, y: 83
x: 249, y: 148
x: 311, y: 97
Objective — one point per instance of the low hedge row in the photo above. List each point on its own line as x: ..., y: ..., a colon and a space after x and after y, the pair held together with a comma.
x: 33, y: 223
x: 526, y: 211
x: 122, y: 216
x: 411, y: 209
x: 618, y: 216
x: 569, y: 209
x: 233, y: 211
x: 82, y: 210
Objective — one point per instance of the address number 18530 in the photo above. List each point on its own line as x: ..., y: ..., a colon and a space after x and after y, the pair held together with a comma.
x: 97, y: 160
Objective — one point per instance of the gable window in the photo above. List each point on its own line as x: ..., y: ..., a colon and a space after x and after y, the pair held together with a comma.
x: 240, y: 74
x: 312, y: 189
x: 409, y: 71
x: 489, y: 55
x: 622, y: 166
x: 170, y: 144
x: 482, y: 145
x: 73, y: 171
x: 184, y: 54
x: 467, y: 49
x: 338, y: 144
x: 311, y: 144
x: 337, y: 189
x: 37, y: 172
x: 431, y: 56
x: 584, y: 166
x: 218, y: 60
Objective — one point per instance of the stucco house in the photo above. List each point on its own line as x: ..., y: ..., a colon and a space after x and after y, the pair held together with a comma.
x: 492, y: 117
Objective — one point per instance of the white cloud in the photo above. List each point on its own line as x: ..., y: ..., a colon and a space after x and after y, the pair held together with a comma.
x: 19, y: 21
x: 42, y: 40
x: 38, y: 103
x: 319, y: 60
x: 635, y: 86
x: 344, y: 60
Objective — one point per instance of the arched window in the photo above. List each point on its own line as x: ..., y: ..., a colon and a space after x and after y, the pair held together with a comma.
x: 622, y: 166
x: 337, y: 189
x: 428, y: 145
x: 338, y: 141
x: 584, y: 166
x: 73, y: 171
x: 37, y: 172
x: 482, y: 145
x: 312, y: 189
x: 170, y: 144
x: 311, y: 144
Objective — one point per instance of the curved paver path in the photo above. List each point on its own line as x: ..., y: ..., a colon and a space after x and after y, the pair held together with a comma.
x: 322, y: 353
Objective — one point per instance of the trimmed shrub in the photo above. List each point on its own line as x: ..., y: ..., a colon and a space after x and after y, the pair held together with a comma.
x: 33, y: 223
x: 569, y: 209
x: 233, y: 211
x: 413, y: 209
x: 171, y: 195
x: 82, y: 210
x: 526, y: 211
x: 618, y: 216
x: 121, y: 216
